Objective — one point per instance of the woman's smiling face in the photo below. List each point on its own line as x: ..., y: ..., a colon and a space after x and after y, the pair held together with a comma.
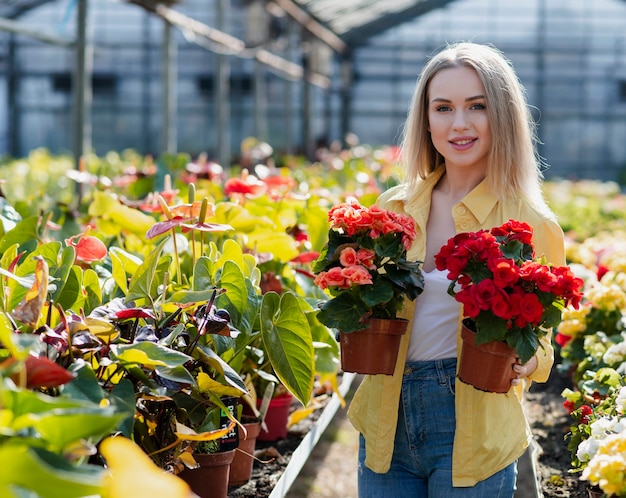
x: 457, y: 118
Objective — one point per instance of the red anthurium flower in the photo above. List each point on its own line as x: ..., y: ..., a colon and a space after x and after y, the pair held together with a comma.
x: 88, y: 248
x: 248, y: 185
x: 134, y: 313
x: 306, y: 257
x: 41, y: 372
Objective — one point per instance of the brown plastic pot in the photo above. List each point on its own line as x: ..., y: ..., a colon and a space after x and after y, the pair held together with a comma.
x: 210, y: 479
x: 488, y: 367
x: 373, y: 350
x: 241, y: 466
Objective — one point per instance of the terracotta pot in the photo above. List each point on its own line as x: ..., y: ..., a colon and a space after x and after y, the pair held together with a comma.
x: 241, y: 466
x: 210, y: 479
x: 487, y: 367
x: 372, y: 350
x: 276, y: 418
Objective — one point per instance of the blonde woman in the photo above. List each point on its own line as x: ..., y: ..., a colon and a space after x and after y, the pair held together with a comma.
x: 470, y: 164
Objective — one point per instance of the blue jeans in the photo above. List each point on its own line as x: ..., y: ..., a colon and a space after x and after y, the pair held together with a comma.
x: 422, y: 457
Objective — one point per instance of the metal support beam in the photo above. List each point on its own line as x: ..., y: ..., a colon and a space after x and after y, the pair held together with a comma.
x: 169, y: 97
x: 314, y: 27
x: 233, y: 46
x: 222, y: 95
x: 82, y: 86
x: 20, y: 29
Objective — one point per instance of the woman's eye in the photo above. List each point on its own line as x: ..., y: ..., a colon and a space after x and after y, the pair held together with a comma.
x: 443, y: 108
x: 478, y: 107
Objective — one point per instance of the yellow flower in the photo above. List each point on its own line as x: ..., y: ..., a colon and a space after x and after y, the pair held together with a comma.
x: 607, y: 468
x: 132, y: 473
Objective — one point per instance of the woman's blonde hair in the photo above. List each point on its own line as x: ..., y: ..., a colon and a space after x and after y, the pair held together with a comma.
x: 513, y: 166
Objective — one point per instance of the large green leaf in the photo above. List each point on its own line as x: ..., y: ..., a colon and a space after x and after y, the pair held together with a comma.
x: 62, y: 426
x: 93, y: 291
x: 148, y: 354
x: 288, y: 343
x: 72, y: 295
x: 24, y: 233
x: 46, y: 474
x: 142, y: 284
x: 60, y: 272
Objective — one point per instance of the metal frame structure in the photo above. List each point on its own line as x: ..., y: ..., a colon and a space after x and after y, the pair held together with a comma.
x: 340, y: 28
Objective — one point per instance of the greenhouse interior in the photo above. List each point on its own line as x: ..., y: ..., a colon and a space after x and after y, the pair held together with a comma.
x: 179, y: 184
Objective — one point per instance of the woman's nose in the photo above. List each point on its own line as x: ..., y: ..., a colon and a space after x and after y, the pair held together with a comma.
x: 460, y: 121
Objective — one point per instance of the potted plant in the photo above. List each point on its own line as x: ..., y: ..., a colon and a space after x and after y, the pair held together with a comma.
x: 364, y: 268
x: 509, y: 299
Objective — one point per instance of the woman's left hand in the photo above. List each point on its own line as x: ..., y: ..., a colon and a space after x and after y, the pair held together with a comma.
x: 524, y: 370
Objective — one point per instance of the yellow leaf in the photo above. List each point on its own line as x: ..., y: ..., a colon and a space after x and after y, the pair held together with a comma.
x: 184, y: 433
x: 208, y: 385
x: 101, y: 328
x: 29, y: 309
x: 132, y: 473
x: 298, y: 415
x: 332, y: 379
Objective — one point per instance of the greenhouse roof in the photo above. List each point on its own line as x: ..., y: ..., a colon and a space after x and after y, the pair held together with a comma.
x: 356, y: 20
x: 12, y: 9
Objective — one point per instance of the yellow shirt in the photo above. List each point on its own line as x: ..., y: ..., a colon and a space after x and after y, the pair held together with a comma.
x: 491, y: 429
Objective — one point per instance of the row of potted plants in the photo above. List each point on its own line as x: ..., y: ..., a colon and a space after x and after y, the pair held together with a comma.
x: 591, y: 339
x: 170, y: 294
x: 162, y: 314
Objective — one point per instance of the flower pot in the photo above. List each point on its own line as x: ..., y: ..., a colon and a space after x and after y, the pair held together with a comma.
x: 210, y: 479
x: 487, y: 367
x: 276, y: 418
x: 372, y: 350
x: 241, y: 466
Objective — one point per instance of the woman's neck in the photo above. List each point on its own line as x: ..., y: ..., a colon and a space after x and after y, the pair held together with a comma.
x: 456, y: 185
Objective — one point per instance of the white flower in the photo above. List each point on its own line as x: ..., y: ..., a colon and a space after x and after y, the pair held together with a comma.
x: 600, y: 427
x: 587, y: 449
x: 620, y: 400
x: 615, y: 354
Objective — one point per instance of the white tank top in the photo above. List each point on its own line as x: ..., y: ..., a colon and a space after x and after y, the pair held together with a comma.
x: 435, y: 322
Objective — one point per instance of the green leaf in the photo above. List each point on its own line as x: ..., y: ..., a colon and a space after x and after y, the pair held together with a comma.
x: 235, y: 299
x: 210, y: 357
x: 525, y: 342
x: 46, y: 474
x: 148, y: 354
x: 202, y: 274
x: 61, y: 272
x: 24, y: 233
x: 142, y: 284
x: 491, y: 328
x: 187, y: 296
x: 288, y: 343
x: 91, y: 285
x: 117, y: 270
x: 379, y: 293
x: 85, y: 386
x: 71, y: 296
x: 343, y: 312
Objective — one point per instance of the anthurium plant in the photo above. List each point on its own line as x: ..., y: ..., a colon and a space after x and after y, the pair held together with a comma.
x: 364, y: 267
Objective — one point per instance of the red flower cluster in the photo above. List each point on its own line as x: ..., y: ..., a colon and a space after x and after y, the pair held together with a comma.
x: 501, y: 286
